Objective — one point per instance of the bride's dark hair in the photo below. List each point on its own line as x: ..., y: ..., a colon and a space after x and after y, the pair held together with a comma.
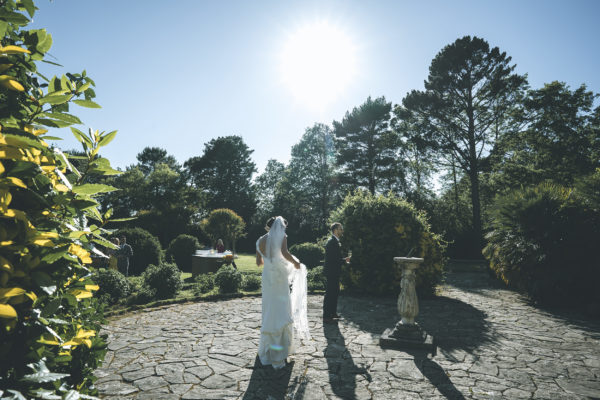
x: 272, y: 219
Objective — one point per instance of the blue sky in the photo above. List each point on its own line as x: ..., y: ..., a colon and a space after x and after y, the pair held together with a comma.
x: 175, y: 74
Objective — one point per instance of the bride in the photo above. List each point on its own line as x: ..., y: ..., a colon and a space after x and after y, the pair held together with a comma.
x: 282, y: 311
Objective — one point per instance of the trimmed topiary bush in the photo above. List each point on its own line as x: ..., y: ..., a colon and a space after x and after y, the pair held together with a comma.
x: 251, y: 282
x: 544, y: 241
x: 228, y: 279
x: 379, y: 228
x: 164, y: 278
x: 146, y: 249
x: 180, y: 251
x: 113, y: 284
x: 316, y: 278
x: 204, y: 283
x: 310, y: 254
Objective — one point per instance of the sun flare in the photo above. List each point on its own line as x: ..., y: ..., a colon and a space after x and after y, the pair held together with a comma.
x: 318, y: 63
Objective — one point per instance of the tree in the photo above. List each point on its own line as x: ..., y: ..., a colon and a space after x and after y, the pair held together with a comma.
x: 224, y: 224
x: 367, y: 148
x: 264, y: 187
x: 224, y: 172
x: 313, y: 178
x: 150, y: 157
x: 557, y: 143
x: 469, y: 95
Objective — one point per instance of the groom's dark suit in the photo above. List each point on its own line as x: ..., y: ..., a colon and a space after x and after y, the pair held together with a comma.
x: 333, y: 269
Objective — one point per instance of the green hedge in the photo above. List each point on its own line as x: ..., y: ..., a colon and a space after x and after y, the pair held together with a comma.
x: 544, y: 241
x: 379, y: 228
x: 316, y: 279
x: 146, y: 249
x: 180, y: 251
x: 310, y: 254
x: 228, y: 279
x: 114, y: 286
x: 163, y: 279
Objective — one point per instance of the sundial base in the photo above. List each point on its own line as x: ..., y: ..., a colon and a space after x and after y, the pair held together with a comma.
x: 407, y: 337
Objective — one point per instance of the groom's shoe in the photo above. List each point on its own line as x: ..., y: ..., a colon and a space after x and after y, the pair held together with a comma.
x: 329, y: 320
x: 336, y: 316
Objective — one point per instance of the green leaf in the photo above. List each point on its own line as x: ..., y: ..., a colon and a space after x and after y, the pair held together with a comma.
x: 29, y: 6
x: 87, y: 103
x: 81, y: 137
x: 93, y: 188
x: 54, y: 123
x: 83, y: 87
x: 123, y: 219
x: 55, y: 99
x: 15, y: 18
x: 3, y: 28
x: 51, y: 307
x: 44, y: 42
x: 106, y: 139
x: 64, y: 117
x: 55, y: 254
x: 53, y: 63
x: 64, y: 82
x: 16, y: 395
x: 51, y: 138
x: 44, y: 281
x: 85, y: 204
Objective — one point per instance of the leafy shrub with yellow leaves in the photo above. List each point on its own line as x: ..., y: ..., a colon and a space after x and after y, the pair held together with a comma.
x: 49, y: 222
x: 379, y: 228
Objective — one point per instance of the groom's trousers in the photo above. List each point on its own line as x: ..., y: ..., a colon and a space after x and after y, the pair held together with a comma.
x: 332, y: 290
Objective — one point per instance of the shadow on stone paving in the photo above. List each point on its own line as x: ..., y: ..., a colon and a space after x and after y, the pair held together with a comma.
x: 572, y: 316
x: 341, y: 368
x: 268, y: 383
x: 481, y: 283
x: 454, y: 324
x: 436, y: 375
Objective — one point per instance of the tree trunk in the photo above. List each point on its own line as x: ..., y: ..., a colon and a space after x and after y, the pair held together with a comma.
x: 473, y: 172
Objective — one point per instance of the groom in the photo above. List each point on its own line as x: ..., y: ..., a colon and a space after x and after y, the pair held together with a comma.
x: 333, y: 268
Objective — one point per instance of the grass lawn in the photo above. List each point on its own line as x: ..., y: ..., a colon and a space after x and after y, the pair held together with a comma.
x: 245, y: 263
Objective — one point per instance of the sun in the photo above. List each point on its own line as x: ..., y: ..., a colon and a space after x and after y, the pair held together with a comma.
x: 318, y: 62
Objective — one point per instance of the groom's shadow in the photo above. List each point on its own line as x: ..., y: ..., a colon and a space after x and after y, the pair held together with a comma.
x: 268, y: 383
x: 342, y: 370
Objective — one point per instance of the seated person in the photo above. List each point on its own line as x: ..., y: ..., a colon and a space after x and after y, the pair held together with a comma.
x: 220, y: 246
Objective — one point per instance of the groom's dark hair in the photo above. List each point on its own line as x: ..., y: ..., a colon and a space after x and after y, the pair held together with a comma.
x: 334, y: 226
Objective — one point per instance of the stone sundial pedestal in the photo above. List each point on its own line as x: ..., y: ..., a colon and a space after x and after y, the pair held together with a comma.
x: 407, y: 334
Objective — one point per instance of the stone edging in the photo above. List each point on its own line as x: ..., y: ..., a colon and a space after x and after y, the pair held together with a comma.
x: 195, y: 299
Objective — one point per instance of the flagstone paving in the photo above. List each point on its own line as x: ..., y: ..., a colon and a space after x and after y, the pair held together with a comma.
x: 491, y: 344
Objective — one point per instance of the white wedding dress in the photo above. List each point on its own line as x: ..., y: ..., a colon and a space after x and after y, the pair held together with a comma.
x: 283, y: 311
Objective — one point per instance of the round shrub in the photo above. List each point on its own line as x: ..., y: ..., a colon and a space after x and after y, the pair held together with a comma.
x: 164, y: 278
x: 204, y: 283
x: 146, y: 249
x: 251, y: 282
x: 543, y: 241
x: 379, y: 228
x: 310, y: 254
x: 180, y: 251
x: 114, y: 286
x: 228, y: 279
x: 316, y: 278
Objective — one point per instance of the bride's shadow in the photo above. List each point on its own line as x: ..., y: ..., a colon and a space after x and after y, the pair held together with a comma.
x: 268, y: 383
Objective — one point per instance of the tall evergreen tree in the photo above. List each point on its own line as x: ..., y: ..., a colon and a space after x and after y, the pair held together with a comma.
x: 469, y: 95
x: 224, y: 172
x: 367, y: 147
x: 559, y: 142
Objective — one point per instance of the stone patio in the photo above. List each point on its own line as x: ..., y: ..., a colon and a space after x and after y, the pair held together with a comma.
x: 491, y: 344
